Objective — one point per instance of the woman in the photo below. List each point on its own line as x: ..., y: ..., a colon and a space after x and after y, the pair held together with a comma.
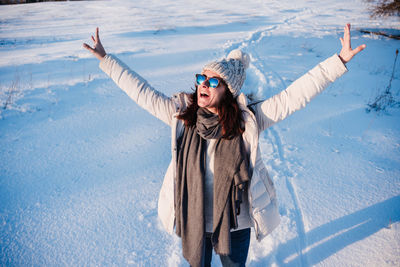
x: 217, y: 187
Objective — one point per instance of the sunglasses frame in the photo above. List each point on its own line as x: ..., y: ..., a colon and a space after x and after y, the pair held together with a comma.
x: 208, y: 79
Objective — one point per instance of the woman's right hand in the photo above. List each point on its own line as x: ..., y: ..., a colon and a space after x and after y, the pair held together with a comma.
x: 98, y: 49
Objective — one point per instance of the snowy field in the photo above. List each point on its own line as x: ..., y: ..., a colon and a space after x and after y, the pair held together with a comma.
x: 81, y: 164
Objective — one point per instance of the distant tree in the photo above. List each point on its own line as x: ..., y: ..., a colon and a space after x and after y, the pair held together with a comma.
x: 385, y: 8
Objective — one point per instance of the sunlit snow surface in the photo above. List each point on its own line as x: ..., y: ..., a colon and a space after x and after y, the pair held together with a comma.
x: 81, y: 164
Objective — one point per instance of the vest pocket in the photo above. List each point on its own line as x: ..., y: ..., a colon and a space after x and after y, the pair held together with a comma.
x: 260, y: 196
x: 266, y: 179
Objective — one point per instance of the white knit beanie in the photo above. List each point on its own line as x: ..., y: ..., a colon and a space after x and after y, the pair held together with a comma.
x: 231, y: 69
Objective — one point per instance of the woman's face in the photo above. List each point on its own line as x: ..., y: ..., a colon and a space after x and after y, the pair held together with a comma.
x: 207, y: 97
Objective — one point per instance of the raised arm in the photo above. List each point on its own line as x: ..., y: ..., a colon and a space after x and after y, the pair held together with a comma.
x: 133, y: 84
x: 301, y: 91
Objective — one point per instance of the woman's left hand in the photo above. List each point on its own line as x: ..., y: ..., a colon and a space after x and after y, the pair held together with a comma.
x: 346, y: 54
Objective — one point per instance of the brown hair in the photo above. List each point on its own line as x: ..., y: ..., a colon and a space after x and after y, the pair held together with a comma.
x: 230, y: 115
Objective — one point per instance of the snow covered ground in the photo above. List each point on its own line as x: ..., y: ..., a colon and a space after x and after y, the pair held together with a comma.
x: 81, y: 164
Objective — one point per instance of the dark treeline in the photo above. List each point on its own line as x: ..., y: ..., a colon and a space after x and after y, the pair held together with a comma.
x: 11, y: 2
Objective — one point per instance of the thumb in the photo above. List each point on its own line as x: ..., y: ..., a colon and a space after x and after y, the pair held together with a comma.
x: 359, y: 49
x: 85, y: 45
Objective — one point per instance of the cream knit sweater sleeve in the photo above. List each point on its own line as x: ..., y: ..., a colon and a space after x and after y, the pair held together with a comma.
x: 299, y: 93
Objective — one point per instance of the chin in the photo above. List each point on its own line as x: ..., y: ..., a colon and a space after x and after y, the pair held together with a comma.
x: 201, y: 105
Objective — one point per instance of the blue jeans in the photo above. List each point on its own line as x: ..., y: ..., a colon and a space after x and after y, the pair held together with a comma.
x: 240, y: 242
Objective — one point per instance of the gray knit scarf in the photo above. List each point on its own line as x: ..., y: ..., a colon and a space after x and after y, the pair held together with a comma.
x: 231, y: 175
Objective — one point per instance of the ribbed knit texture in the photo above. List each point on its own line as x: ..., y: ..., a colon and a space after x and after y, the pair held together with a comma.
x: 231, y: 69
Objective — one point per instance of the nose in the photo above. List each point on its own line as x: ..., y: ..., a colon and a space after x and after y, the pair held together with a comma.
x: 205, y: 84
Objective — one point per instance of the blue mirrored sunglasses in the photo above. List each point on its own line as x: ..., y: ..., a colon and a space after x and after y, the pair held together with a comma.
x: 212, y: 82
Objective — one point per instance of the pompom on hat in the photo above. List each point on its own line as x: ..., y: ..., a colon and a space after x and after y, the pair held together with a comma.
x: 231, y: 69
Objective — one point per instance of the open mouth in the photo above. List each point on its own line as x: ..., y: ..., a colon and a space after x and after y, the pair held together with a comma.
x: 203, y: 95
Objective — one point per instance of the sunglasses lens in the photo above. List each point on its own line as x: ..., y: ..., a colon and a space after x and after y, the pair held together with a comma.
x: 213, y: 82
x: 200, y: 79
